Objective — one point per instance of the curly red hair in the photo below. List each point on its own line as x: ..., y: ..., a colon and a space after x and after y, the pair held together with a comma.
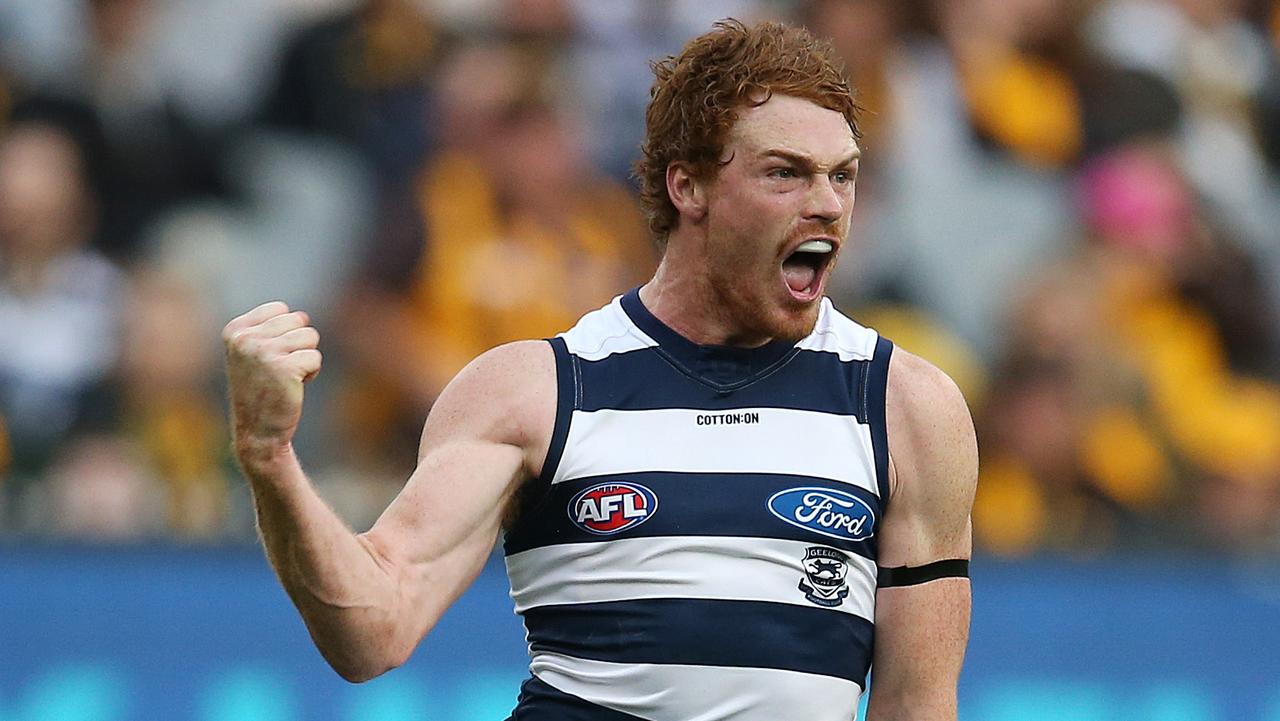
x: 696, y: 96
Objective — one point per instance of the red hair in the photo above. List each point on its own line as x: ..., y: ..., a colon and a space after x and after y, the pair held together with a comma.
x: 696, y: 96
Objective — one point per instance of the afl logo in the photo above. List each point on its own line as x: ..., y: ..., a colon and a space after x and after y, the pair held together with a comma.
x: 608, y: 508
x: 826, y: 511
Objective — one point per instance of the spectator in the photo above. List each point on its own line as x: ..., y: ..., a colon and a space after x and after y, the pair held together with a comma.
x: 360, y: 76
x: 59, y: 299
x: 523, y: 236
x: 609, y: 59
x: 154, y: 457
x: 1121, y: 405
x: 152, y: 155
x: 1226, y: 75
x: 866, y: 34
x: 169, y: 401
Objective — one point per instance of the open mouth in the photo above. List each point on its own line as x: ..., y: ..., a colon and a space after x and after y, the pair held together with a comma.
x: 804, y: 270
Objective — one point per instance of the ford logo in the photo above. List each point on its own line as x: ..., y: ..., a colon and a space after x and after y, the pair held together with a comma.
x: 825, y: 511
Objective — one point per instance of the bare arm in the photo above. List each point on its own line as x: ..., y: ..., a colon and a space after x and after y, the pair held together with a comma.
x: 368, y: 599
x: 922, y: 630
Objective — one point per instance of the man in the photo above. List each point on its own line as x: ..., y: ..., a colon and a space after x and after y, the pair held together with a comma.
x: 710, y: 488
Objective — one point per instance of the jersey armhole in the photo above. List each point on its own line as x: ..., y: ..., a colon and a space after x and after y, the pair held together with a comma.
x: 566, y: 402
x: 874, y: 397
x: 537, y: 491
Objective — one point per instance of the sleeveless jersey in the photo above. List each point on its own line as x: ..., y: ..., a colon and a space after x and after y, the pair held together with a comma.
x: 702, y: 541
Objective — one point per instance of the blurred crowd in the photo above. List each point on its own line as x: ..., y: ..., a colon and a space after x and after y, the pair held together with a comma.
x: 1072, y: 206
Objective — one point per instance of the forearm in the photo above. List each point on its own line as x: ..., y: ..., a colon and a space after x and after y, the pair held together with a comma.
x: 927, y: 704
x: 346, y: 592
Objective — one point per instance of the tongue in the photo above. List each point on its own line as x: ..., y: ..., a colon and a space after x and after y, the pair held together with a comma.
x: 799, y: 276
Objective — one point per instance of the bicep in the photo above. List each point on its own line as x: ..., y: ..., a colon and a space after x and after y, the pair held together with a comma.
x: 922, y: 628
x: 476, y: 449
x: 441, y: 528
x: 933, y: 454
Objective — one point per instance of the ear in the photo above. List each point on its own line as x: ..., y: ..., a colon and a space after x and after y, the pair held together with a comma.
x: 687, y: 191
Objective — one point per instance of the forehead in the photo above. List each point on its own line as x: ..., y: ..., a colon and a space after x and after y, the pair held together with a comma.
x: 795, y: 124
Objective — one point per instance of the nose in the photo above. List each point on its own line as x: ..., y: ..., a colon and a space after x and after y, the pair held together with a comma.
x: 825, y: 202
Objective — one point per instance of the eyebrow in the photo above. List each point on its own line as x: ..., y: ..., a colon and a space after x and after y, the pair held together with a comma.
x: 806, y: 161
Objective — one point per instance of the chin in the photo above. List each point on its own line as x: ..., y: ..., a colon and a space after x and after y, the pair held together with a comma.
x: 793, y: 323
x: 762, y: 311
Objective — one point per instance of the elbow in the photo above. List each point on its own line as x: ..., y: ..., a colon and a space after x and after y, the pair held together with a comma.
x: 360, y: 667
x: 354, y: 673
x: 365, y: 669
x: 358, y: 674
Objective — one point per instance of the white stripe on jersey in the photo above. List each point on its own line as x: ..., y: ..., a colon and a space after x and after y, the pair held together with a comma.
x: 841, y: 336
x: 604, y: 332
x: 820, y: 445
x: 705, y: 567
x: 836, y: 333
x: 671, y: 692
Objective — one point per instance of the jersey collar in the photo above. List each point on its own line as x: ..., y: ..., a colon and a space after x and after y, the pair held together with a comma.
x: 719, y: 366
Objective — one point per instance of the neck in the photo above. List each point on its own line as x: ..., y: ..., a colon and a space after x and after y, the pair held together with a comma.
x: 682, y: 296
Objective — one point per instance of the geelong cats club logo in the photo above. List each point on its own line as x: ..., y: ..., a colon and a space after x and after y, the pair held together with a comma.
x: 609, y: 508
x: 824, y: 576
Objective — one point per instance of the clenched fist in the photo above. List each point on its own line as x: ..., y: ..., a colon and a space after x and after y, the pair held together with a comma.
x: 271, y: 352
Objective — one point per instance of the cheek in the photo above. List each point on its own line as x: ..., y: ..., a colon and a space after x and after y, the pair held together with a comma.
x: 757, y: 218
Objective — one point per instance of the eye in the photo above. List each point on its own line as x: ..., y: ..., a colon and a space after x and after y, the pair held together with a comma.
x: 784, y: 172
x: 842, y: 177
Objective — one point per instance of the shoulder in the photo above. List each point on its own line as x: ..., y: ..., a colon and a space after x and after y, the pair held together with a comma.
x: 506, y: 394
x: 511, y: 366
x: 932, y: 444
x: 924, y: 396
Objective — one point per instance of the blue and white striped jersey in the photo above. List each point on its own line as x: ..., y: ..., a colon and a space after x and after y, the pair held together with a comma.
x: 702, y: 541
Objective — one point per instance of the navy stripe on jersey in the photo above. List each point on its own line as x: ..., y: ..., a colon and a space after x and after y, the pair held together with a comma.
x: 700, y: 504
x: 752, y: 634
x: 565, y: 405
x: 874, y: 393
x: 540, y: 701
x: 644, y: 380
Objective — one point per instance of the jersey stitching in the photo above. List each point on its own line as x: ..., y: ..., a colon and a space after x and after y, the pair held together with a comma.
x: 857, y: 354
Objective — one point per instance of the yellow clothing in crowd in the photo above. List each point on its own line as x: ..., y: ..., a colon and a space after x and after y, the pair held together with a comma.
x: 1026, y: 104
x: 1191, y: 421
x: 185, y: 439
x: 1275, y: 24
x: 491, y: 276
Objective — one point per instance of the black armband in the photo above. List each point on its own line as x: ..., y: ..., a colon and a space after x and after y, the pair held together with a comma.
x: 914, y: 575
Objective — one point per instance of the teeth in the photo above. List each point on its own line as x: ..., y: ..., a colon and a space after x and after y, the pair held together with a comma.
x: 815, y: 246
